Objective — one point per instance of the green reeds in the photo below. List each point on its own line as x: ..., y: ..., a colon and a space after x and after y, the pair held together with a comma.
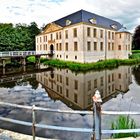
x: 123, y: 122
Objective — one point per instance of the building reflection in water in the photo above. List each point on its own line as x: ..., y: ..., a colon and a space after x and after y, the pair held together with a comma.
x: 76, y: 90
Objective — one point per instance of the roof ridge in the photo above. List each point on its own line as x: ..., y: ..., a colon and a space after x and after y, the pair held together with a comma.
x: 82, y: 14
x: 68, y: 15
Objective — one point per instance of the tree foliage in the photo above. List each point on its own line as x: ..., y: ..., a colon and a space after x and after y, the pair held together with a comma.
x: 136, y: 39
x: 18, y: 37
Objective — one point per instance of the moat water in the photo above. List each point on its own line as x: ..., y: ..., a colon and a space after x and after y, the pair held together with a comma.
x: 66, y: 90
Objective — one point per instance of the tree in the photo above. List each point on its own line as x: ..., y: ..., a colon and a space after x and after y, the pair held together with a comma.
x: 43, y: 27
x: 136, y: 39
x: 6, y: 36
x: 33, y: 31
x: 20, y: 37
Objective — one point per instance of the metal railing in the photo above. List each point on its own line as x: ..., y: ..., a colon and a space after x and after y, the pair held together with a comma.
x: 33, y: 124
x: 96, y: 131
x: 23, y: 53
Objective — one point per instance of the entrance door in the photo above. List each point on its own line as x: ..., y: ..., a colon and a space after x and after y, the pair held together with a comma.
x: 51, y: 49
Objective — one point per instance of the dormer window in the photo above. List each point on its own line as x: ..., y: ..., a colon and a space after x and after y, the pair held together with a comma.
x: 93, y: 20
x: 113, y: 26
x: 68, y: 22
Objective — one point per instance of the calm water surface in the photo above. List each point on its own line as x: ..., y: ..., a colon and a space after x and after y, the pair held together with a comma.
x: 63, y: 89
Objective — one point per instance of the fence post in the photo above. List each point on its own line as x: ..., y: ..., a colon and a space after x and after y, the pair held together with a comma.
x: 97, y: 115
x: 3, y: 63
x: 33, y: 121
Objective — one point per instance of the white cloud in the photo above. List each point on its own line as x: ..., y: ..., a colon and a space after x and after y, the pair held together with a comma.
x: 44, y: 11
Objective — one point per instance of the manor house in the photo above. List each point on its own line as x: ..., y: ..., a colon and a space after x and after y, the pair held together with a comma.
x: 84, y: 37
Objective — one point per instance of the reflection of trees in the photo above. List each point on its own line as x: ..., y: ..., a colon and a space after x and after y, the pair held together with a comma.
x: 33, y: 83
x: 136, y: 73
x: 11, y: 84
x: 8, y: 85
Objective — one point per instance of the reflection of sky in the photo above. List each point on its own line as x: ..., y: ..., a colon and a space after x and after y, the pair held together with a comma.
x: 130, y: 101
x: 26, y: 95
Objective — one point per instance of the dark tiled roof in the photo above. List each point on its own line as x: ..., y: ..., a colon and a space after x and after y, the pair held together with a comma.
x: 85, y: 16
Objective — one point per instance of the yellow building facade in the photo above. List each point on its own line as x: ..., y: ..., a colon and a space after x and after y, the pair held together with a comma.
x: 84, y: 37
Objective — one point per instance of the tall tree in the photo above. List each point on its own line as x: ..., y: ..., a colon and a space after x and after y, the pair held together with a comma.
x: 136, y: 39
x: 33, y: 30
x: 18, y: 37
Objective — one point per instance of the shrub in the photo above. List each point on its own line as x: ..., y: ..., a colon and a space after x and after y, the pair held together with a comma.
x: 31, y: 59
x: 124, y: 122
x: 135, y: 51
x: 135, y: 56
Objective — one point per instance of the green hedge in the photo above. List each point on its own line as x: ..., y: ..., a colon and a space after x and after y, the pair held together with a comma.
x: 135, y: 51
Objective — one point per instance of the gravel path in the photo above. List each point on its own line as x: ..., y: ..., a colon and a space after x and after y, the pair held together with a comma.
x: 9, y: 135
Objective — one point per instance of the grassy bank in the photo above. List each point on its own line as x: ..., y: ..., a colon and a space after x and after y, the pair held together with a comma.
x: 75, y: 66
x: 107, y: 64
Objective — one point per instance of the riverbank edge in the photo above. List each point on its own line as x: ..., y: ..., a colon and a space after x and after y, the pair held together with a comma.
x: 83, y: 67
x: 10, y: 135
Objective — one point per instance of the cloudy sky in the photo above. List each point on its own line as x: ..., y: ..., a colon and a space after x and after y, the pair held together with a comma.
x: 127, y: 12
